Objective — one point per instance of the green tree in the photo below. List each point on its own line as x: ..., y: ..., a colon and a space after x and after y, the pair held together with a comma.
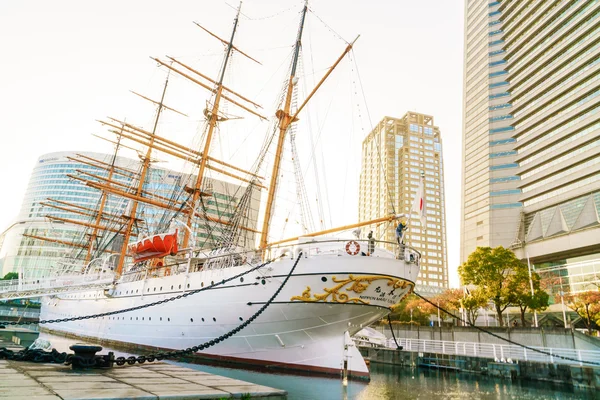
x: 587, y: 306
x: 520, y: 287
x: 472, y: 303
x: 490, y: 269
x: 11, y: 275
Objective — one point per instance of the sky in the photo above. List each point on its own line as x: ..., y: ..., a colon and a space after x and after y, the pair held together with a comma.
x: 68, y: 63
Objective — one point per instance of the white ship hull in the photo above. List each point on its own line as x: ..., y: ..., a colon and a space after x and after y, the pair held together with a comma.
x: 303, y: 329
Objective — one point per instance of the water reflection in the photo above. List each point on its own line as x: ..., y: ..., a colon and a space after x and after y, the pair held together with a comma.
x: 389, y: 382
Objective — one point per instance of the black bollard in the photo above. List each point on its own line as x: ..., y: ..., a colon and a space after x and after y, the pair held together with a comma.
x: 84, y: 355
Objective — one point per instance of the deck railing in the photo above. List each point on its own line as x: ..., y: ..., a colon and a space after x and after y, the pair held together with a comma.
x: 500, y: 352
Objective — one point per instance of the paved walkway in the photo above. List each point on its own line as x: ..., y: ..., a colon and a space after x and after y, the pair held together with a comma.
x: 31, y: 381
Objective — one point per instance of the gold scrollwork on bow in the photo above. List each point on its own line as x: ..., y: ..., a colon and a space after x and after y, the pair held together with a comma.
x: 358, y: 285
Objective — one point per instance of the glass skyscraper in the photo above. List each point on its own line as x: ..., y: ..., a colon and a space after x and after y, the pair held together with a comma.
x: 531, y: 133
x: 53, y: 186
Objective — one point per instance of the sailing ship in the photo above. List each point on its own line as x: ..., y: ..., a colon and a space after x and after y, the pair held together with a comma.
x: 329, y: 283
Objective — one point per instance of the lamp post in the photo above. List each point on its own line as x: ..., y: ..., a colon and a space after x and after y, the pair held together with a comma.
x: 20, y: 271
x: 562, y: 301
x: 190, y: 232
x: 532, y: 293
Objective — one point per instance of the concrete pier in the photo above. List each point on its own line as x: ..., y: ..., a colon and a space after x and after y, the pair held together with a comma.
x: 159, y: 380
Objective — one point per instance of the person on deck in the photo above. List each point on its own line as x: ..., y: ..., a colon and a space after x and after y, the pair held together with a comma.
x: 371, y: 243
x: 400, y: 233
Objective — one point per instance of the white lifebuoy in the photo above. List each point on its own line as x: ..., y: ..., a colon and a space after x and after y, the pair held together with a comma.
x: 352, y: 248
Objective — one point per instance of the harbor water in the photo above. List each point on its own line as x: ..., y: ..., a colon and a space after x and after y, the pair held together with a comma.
x: 388, y: 382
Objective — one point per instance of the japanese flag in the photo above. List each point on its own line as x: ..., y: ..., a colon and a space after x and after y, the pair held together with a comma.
x: 419, y: 204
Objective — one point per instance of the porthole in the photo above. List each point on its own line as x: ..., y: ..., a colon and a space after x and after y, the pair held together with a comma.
x: 149, y: 318
x: 171, y: 287
x: 241, y: 319
x: 136, y: 318
x: 136, y: 290
x: 202, y: 319
x: 179, y: 286
x: 214, y: 319
x: 212, y: 282
x: 324, y: 279
x: 188, y: 285
x: 202, y: 284
x: 130, y: 318
x: 263, y: 281
x: 169, y: 319
x: 154, y: 290
x: 160, y: 289
x: 191, y: 319
x: 242, y: 279
x: 148, y: 289
x: 161, y: 318
x: 142, y: 318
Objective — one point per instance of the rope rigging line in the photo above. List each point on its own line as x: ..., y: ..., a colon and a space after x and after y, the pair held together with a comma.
x: 306, y: 219
x: 502, y: 338
x: 240, y: 216
x: 103, y: 361
x: 270, y: 16
x: 328, y: 27
x: 387, y: 185
x: 398, y: 347
x: 313, y: 160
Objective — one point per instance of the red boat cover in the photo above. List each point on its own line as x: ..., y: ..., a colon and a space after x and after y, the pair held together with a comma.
x: 155, y: 246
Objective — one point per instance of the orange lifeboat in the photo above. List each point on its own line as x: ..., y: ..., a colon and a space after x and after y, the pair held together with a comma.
x: 155, y: 246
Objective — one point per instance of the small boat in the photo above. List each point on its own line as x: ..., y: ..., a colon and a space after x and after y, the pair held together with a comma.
x: 155, y: 246
x: 369, y: 337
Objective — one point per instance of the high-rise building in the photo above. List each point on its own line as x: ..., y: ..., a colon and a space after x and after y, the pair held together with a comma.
x: 531, y: 134
x: 395, y: 155
x: 53, y: 191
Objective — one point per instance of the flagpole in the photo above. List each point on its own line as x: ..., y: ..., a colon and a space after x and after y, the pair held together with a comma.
x: 531, y: 285
x: 421, y: 192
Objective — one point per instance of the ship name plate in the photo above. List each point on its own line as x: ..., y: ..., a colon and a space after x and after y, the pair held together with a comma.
x: 358, y: 285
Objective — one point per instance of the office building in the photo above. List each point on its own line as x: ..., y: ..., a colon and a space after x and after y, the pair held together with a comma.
x: 531, y: 133
x: 394, y: 157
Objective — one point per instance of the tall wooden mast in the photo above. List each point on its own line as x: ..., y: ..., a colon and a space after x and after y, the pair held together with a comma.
x: 144, y: 173
x: 212, y: 123
x: 285, y: 120
x: 103, y: 198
